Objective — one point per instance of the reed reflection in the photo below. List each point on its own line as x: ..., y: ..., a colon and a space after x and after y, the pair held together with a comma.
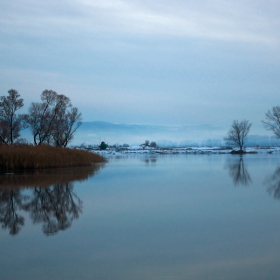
x: 238, y: 172
x: 273, y: 183
x: 47, y: 196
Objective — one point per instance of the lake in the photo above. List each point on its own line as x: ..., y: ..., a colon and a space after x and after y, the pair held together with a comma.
x: 144, y: 217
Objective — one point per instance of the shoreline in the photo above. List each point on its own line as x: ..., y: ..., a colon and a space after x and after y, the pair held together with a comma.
x: 185, y: 150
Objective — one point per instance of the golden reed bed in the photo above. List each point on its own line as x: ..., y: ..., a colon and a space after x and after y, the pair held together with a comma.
x: 24, y: 157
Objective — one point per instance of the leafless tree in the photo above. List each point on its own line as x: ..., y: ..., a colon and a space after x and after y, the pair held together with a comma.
x: 11, y: 123
x: 42, y: 115
x: 65, y: 127
x: 272, y: 121
x: 54, y: 120
x: 238, y: 133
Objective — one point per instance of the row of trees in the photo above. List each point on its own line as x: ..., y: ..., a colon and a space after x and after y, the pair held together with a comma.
x: 240, y: 129
x: 52, y: 121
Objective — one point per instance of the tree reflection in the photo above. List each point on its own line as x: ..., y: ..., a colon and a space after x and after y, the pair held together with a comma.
x: 273, y: 183
x: 50, y: 201
x: 10, y: 203
x: 150, y: 160
x: 239, y: 173
x: 56, y: 207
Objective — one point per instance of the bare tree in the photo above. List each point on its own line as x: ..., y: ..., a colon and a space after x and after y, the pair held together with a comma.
x: 54, y: 120
x: 272, y: 121
x: 42, y: 115
x: 238, y: 133
x: 65, y: 126
x: 11, y: 123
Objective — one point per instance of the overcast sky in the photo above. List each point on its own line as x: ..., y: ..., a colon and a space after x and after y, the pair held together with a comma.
x: 146, y: 62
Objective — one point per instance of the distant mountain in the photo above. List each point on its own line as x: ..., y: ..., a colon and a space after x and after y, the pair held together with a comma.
x: 92, y: 133
x: 135, y: 134
x: 110, y: 127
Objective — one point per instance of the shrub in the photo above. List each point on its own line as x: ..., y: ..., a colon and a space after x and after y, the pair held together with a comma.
x: 103, y: 145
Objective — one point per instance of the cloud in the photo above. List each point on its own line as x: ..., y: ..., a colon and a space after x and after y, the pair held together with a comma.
x: 160, y: 62
x: 244, y: 21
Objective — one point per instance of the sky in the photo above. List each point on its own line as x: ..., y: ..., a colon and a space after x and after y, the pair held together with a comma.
x: 172, y: 63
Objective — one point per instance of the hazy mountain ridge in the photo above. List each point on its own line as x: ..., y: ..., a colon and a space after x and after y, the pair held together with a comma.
x: 134, y: 134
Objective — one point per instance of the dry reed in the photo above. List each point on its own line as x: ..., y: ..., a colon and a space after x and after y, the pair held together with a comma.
x: 24, y: 157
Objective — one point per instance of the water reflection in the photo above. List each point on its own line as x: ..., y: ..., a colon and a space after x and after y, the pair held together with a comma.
x: 239, y: 172
x: 273, y: 183
x: 47, y: 196
x: 150, y: 161
x: 55, y: 207
x: 10, y: 202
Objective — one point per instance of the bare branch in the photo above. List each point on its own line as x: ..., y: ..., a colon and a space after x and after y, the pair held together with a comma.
x: 272, y: 121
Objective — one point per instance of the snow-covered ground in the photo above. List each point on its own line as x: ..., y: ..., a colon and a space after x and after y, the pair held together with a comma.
x: 187, y: 150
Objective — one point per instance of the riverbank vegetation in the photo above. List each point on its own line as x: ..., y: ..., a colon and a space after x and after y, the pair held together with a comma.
x: 53, y: 123
x: 30, y: 157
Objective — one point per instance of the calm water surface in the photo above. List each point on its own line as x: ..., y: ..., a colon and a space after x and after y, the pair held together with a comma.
x: 165, y: 217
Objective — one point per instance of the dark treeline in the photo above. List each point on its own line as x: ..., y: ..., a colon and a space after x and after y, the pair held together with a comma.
x: 53, y: 121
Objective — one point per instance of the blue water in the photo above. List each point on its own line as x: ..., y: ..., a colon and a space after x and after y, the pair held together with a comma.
x: 159, y: 217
